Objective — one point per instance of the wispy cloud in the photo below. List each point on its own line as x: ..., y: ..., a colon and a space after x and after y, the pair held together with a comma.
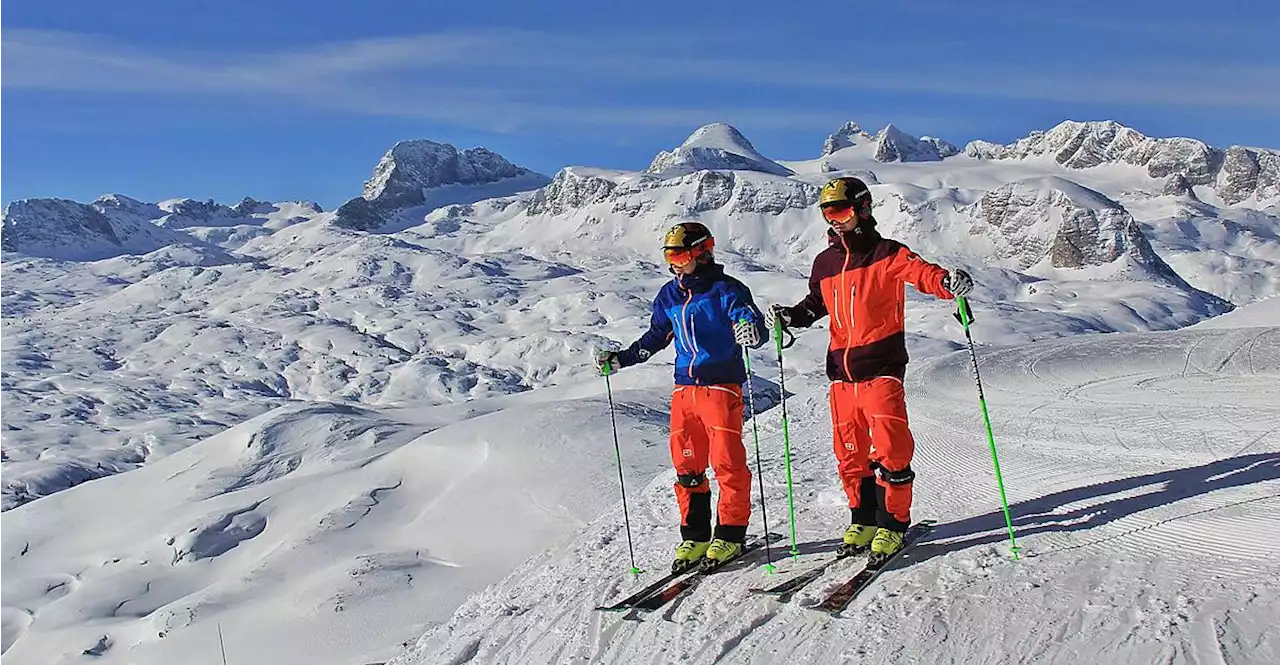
x: 504, y: 80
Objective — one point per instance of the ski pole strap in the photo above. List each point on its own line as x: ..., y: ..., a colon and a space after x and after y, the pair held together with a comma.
x: 778, y: 332
x: 791, y: 339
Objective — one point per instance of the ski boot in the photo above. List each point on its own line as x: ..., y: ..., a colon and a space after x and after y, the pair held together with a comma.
x: 689, y: 554
x: 886, y: 543
x: 856, y: 539
x: 720, y: 552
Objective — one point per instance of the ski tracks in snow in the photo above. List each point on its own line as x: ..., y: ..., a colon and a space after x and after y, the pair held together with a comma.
x: 1143, y: 483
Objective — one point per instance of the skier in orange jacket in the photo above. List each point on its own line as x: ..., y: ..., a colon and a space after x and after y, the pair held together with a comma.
x: 858, y: 280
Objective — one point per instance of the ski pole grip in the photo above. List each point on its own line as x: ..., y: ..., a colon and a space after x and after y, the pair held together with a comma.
x: 963, y: 312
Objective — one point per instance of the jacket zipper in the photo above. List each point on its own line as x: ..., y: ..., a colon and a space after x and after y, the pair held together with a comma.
x: 844, y: 272
x: 687, y: 323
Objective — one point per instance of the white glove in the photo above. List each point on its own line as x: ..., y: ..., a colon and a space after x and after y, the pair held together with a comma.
x: 777, y: 317
x: 605, y: 358
x: 746, y: 334
x: 958, y: 282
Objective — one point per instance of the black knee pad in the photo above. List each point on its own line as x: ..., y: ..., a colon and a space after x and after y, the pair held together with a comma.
x: 691, y: 479
x: 903, y: 477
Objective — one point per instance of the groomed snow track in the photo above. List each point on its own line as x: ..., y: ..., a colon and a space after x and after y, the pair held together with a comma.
x: 1143, y: 473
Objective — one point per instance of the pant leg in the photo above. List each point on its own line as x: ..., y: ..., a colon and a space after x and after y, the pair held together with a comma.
x: 720, y: 409
x: 689, y: 449
x: 885, y: 404
x: 852, y: 445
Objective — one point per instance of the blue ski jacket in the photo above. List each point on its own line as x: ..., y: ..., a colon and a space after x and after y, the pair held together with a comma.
x: 698, y: 312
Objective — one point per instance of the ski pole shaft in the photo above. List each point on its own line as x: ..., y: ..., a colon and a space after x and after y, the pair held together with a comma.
x: 966, y: 317
x: 755, y: 432
x: 786, y: 439
x: 626, y: 518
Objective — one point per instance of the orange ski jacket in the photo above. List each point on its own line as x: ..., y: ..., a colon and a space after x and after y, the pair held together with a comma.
x: 858, y: 280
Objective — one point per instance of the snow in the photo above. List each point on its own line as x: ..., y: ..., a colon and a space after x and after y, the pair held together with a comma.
x: 355, y: 445
x: 1261, y: 314
x: 312, y: 533
x: 1143, y: 471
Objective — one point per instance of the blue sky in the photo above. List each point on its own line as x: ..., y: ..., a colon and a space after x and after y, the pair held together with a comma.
x: 297, y: 100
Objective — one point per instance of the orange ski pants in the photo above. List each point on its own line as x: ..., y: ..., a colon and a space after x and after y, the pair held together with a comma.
x: 874, y: 447
x: 706, y: 427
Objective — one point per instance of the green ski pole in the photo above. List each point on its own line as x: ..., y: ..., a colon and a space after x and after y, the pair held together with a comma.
x: 626, y: 518
x: 786, y: 438
x: 755, y: 432
x: 965, y: 316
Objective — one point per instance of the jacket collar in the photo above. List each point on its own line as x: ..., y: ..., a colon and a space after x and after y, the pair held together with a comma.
x: 702, y: 279
x: 858, y: 241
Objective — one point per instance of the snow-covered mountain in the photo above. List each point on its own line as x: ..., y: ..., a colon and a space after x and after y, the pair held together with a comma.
x: 889, y: 144
x: 714, y: 147
x: 325, y: 430
x: 1237, y: 174
x: 415, y: 176
x: 1085, y: 228
x: 210, y: 221
x: 895, y: 145
x: 63, y: 229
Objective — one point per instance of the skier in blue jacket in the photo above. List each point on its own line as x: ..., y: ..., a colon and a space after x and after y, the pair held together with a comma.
x: 710, y: 316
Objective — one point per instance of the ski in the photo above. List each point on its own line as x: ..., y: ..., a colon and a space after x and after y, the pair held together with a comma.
x: 630, y: 602
x: 683, y: 586
x: 787, y: 588
x: 839, y: 598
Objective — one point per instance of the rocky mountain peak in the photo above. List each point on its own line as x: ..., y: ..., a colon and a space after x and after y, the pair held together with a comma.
x: 717, y: 146
x: 409, y: 167
x: 894, y: 145
x: 849, y: 135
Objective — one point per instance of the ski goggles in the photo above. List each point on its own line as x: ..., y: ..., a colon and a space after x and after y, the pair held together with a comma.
x: 679, y: 256
x: 683, y: 256
x: 838, y: 213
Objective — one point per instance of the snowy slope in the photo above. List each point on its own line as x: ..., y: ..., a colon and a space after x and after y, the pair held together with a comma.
x: 313, y: 533
x: 1263, y: 313
x: 1143, y: 471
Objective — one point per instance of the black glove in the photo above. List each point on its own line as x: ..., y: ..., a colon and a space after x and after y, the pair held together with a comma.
x: 777, y: 317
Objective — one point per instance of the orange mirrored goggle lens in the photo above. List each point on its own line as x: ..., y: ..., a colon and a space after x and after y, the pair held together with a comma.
x: 838, y: 214
x: 678, y: 257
